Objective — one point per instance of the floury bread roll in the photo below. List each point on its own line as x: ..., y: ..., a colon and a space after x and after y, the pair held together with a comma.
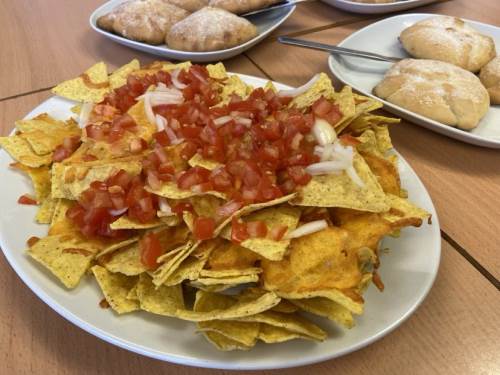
x: 242, y: 6
x: 490, y: 77
x: 210, y: 29
x: 448, y: 39
x: 143, y: 20
x: 373, y: 1
x: 437, y: 90
x: 189, y: 5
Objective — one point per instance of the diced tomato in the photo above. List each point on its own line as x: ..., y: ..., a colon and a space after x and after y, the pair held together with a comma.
x: 60, y: 153
x: 229, y: 208
x: 203, y: 228
x: 162, y: 138
x: 89, y: 157
x: 96, y: 132
x: 256, y: 229
x: 151, y: 249
x: 32, y: 240
x: 349, y: 140
x: 26, y: 199
x: 179, y: 208
x: 188, y: 150
x: 299, y: 175
x: 321, y: 107
x: 239, y: 231
x: 191, y: 177
x: 277, y: 232
x: 220, y: 179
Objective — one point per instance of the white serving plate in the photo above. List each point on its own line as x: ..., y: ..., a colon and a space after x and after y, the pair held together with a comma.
x: 408, y: 272
x: 363, y: 74
x: 397, y: 6
x: 265, y: 22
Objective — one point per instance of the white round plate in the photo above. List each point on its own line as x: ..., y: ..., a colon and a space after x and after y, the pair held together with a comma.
x: 365, y: 8
x: 408, y: 271
x: 265, y: 22
x: 364, y: 74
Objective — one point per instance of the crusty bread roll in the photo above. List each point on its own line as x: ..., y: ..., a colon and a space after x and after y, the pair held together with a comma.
x: 143, y: 20
x: 189, y: 5
x: 448, y: 39
x: 374, y: 1
x: 437, y: 90
x: 242, y: 6
x: 210, y: 29
x: 490, y: 77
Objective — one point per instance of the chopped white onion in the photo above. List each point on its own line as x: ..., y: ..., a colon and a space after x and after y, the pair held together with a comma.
x: 222, y: 120
x: 243, y: 121
x: 304, y: 230
x: 85, y: 111
x: 148, y: 108
x: 160, y: 121
x: 118, y: 212
x: 161, y: 87
x: 326, y: 167
x: 198, y: 75
x: 299, y: 90
x: 175, y: 79
x: 164, y: 207
x: 323, y: 132
x: 353, y: 175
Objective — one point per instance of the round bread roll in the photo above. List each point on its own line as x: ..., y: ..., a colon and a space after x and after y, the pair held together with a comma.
x: 373, y: 1
x: 147, y: 21
x: 210, y: 29
x: 490, y: 77
x: 437, y: 90
x: 241, y: 6
x: 189, y: 5
x: 448, y: 39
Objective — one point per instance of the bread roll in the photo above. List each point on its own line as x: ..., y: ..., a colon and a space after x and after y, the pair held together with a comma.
x: 374, y: 1
x: 242, y: 6
x: 210, y: 29
x: 189, y: 5
x: 448, y: 39
x: 490, y: 77
x: 437, y: 90
x: 143, y: 20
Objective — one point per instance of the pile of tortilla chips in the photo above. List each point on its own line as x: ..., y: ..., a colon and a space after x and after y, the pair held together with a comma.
x: 237, y: 294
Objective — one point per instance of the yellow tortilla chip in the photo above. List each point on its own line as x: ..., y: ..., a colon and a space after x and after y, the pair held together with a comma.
x: 230, y: 272
x: 386, y: 172
x: 198, y: 161
x: 273, y: 335
x: 291, y: 322
x: 189, y: 269
x: 20, y: 150
x: 40, y: 177
x: 227, y: 255
x: 224, y: 343
x: 229, y: 280
x: 345, y: 101
x: 116, y: 246
x: 91, y: 86
x: 164, y: 300
x: 126, y: 260
x: 322, y: 87
x: 234, y: 86
x: 327, y: 308
x: 70, y: 180
x: 124, y: 222
x: 404, y: 213
x: 340, y: 191
x: 44, y: 134
x: 268, y: 248
x: 66, y: 256
x: 46, y: 211
x: 217, y: 71
x: 115, y: 288
x: 145, y: 128
x: 233, y: 310
x: 119, y: 77
x: 171, y: 191
x: 60, y: 224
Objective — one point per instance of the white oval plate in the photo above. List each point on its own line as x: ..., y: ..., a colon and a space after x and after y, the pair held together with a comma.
x: 408, y: 272
x: 364, y: 74
x: 399, y: 5
x: 265, y: 22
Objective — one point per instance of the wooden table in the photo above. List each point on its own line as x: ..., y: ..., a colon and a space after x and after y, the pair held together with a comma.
x: 455, y: 331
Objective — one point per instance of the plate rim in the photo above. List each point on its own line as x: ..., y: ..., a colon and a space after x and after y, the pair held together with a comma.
x: 179, y: 54
x: 216, y: 364
x: 370, y: 8
x: 433, y: 125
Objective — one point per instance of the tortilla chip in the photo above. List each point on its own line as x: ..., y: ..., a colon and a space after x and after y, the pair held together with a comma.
x: 272, y: 216
x: 171, y: 191
x: 188, y: 270
x: 20, y: 150
x: 116, y: 246
x: 340, y: 191
x: 404, y: 213
x: 234, y: 86
x: 145, y: 128
x: 386, y: 172
x: 115, y: 288
x: 119, y: 77
x: 40, y: 177
x: 44, y: 134
x: 233, y: 308
x: 171, y: 264
x: 327, y: 308
x: 46, y: 211
x: 198, y: 161
x: 164, y: 300
x: 230, y: 272
x: 60, y: 224
x: 126, y: 260
x: 229, y: 281
x: 67, y: 257
x: 124, y: 222
x: 70, y: 180
x: 273, y: 335
x: 217, y: 71
x: 223, y: 343
x: 291, y: 322
x: 322, y: 87
x: 345, y: 101
x: 92, y: 89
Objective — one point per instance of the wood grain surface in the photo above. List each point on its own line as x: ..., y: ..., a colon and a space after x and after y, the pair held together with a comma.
x: 457, y: 328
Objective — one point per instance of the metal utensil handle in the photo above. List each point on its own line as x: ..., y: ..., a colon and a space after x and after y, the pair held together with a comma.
x: 279, y: 6
x: 335, y: 49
